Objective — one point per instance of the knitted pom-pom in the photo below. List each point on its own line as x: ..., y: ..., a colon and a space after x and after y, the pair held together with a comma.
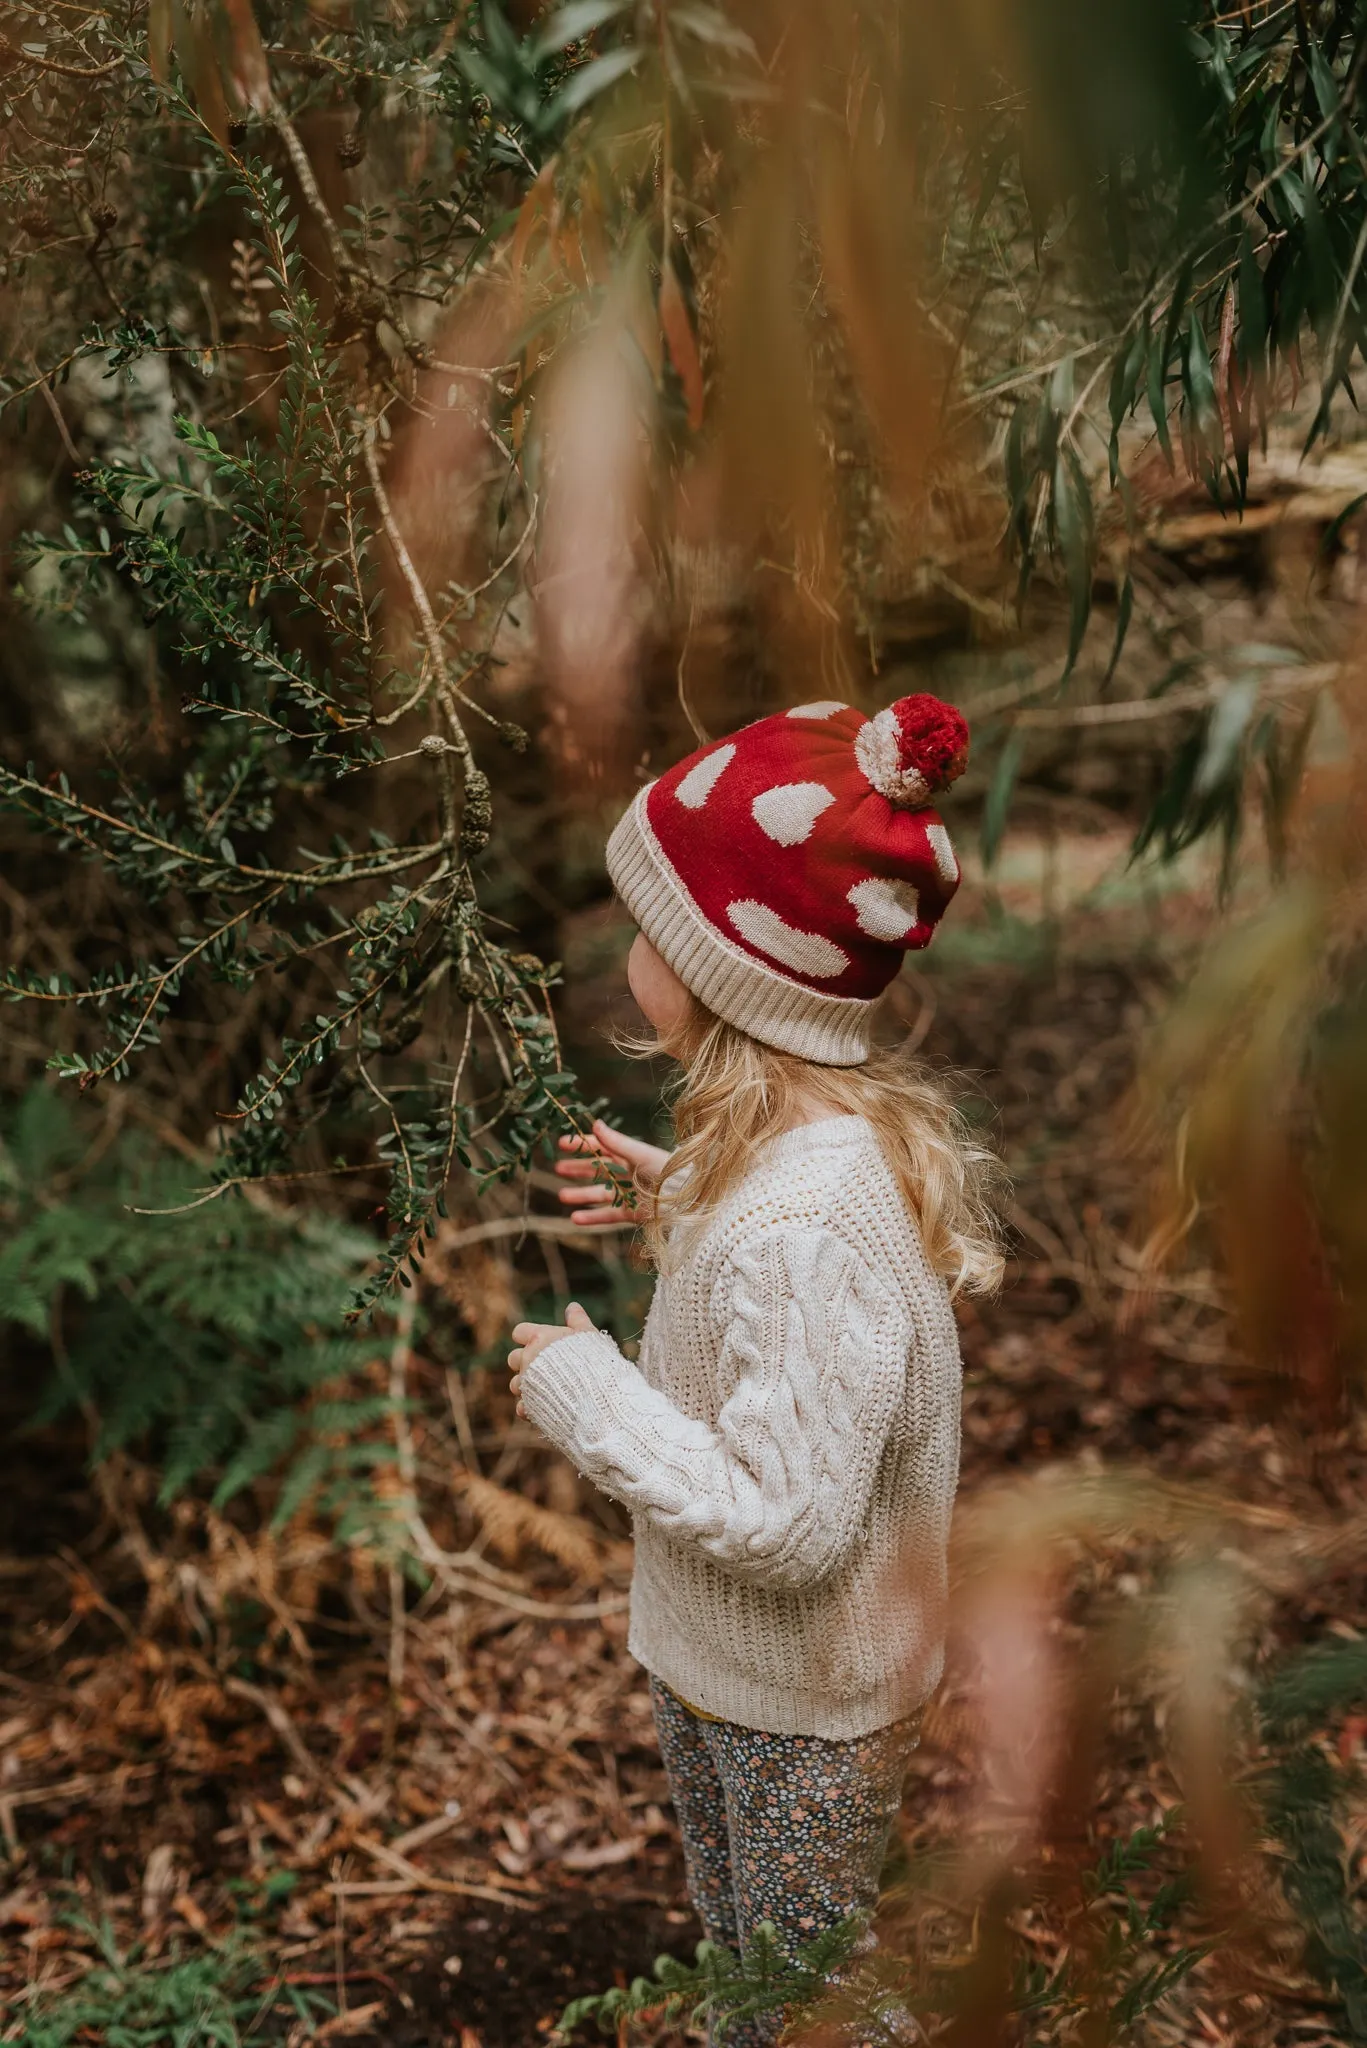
x: 917, y: 746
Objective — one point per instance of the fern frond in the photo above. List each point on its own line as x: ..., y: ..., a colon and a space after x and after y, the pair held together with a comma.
x: 510, y: 1523
x: 216, y: 1337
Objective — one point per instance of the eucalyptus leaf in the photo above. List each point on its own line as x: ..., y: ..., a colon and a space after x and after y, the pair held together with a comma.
x: 1225, y: 734
x: 1326, y: 85
x: 1158, y: 398
x: 1199, y: 385
x: 1125, y: 375
x: 1001, y: 789
x: 1330, y: 537
x: 1072, y: 502
x: 710, y: 25
x: 1123, y: 615
x: 1018, y: 479
x: 593, y: 79
x: 502, y: 43
x: 571, y: 23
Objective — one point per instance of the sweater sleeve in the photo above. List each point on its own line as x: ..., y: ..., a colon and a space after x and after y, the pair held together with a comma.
x: 813, y: 1364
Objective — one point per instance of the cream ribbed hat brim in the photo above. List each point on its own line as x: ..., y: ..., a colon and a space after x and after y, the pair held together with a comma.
x: 832, y: 1031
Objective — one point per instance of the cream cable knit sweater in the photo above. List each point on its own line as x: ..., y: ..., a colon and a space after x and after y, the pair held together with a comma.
x: 788, y: 1446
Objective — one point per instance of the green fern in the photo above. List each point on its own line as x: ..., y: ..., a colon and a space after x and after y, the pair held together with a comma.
x: 721, y: 1987
x: 876, y: 1995
x: 212, y: 1999
x: 216, y: 1336
x: 1302, y: 1793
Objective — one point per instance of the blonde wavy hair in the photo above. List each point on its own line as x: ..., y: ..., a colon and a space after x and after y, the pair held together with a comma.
x: 732, y: 1093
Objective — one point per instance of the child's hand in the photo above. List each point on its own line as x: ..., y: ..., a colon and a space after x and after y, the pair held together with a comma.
x: 602, y: 1202
x: 531, y: 1338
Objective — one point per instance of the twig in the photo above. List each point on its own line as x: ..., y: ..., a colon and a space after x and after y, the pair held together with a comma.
x: 81, y: 1786
x: 1315, y: 678
x: 452, y: 1103
x: 397, y: 1888
x: 442, y: 1708
x: 420, y: 1880
x: 401, y: 1351
x: 62, y: 70
x: 49, y: 399
x: 1040, y: 1233
x: 556, y: 1271
x: 470, y: 369
x: 477, y: 589
x: 252, y: 1180
x: 440, y: 1562
x: 427, y: 618
x: 460, y: 1416
x: 541, y: 1610
x: 308, y: 185
x: 685, y: 702
x: 395, y: 1125
x: 172, y: 973
x: 339, y: 1936
x: 426, y: 1831
x: 279, y: 1718
x: 558, y: 1227
x: 360, y: 869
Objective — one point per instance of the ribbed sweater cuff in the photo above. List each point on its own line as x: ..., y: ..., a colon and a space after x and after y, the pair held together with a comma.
x: 567, y: 1390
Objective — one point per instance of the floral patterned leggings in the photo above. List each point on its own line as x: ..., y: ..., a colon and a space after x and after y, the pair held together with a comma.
x: 787, y: 1828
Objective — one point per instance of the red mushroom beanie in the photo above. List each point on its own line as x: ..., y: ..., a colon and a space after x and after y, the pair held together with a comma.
x: 783, y: 872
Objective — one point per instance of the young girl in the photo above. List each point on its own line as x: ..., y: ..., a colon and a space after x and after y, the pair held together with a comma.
x: 788, y: 1442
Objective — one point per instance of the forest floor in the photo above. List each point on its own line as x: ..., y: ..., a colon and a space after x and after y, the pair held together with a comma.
x: 438, y: 1837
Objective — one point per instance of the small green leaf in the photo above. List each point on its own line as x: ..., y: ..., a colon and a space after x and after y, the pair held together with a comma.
x: 1225, y: 734
x: 999, y: 794
x: 485, y: 77
x: 1124, y: 610
x: 1329, y: 538
x: 1198, y: 382
x: 1158, y: 399
x: 710, y: 25
x: 570, y: 24
x: 1322, y: 273
x: 593, y: 79
x: 1125, y: 374
x: 503, y: 44
x: 1177, y: 306
x: 1325, y: 84
x: 1017, y: 481
x: 1073, y: 521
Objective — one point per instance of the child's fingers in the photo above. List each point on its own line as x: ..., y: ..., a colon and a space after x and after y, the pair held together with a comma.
x: 578, y: 1141
x: 531, y: 1336
x: 577, y: 1318
x: 579, y: 1169
x: 589, y: 1197
x: 592, y: 1219
x: 619, y: 1146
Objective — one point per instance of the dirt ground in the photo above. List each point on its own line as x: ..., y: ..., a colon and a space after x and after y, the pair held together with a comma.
x: 449, y: 1846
